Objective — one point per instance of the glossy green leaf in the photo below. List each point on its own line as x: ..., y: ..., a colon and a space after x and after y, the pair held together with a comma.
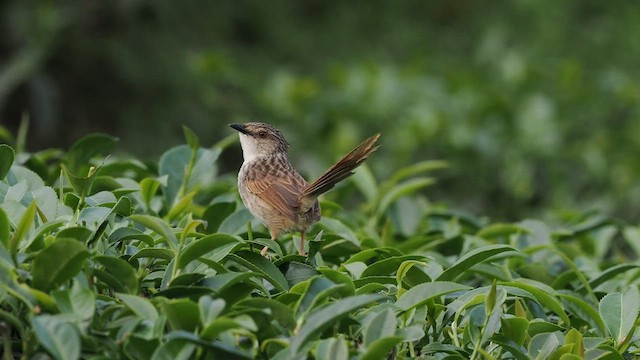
x: 216, y: 214
x: 157, y: 225
x: 381, y: 348
x: 215, y: 348
x: 214, y: 247
x: 379, y: 326
x: 423, y: 293
x: 128, y: 233
x: 175, y: 349
x: 182, y: 314
x: 83, y: 150
x: 26, y: 221
x: 81, y: 234
x: 191, y: 138
x: 122, y: 271
x: 140, y: 306
x: 6, y: 159
x: 545, y: 295
x: 473, y: 257
x: 209, y: 309
x: 60, y: 338
x: 332, y: 349
x: 619, y: 312
x: 78, y: 300
x: 258, y: 263
x: 590, y: 312
x: 58, y: 263
x: 389, y: 265
x: 325, y: 317
x: 5, y: 229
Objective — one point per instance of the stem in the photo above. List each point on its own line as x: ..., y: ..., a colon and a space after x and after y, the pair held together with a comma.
x: 479, y: 343
x: 5, y: 333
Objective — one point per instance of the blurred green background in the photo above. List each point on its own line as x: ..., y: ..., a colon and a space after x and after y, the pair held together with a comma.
x: 534, y: 104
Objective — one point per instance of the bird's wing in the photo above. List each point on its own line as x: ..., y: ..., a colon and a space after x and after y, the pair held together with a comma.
x: 277, y: 184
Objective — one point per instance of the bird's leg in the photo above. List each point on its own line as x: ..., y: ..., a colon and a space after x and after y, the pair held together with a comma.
x: 266, y: 248
x: 301, y: 251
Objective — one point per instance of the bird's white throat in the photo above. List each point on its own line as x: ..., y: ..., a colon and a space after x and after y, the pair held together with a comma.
x: 249, y: 148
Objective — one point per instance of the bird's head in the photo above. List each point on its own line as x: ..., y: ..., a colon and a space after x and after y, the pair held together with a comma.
x: 260, y: 139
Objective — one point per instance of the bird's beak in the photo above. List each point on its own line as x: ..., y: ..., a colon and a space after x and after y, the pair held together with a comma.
x: 241, y: 128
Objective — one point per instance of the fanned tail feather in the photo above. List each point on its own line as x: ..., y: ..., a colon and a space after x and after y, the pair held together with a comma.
x: 338, y: 172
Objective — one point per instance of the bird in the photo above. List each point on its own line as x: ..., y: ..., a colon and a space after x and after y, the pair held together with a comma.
x: 274, y: 192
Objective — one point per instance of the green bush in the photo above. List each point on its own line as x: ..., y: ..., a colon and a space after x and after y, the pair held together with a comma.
x: 117, y: 258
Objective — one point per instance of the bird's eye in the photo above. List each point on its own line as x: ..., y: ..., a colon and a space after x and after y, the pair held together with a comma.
x: 262, y: 134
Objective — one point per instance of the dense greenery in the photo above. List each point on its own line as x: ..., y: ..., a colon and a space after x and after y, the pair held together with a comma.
x: 535, y: 104
x: 106, y: 258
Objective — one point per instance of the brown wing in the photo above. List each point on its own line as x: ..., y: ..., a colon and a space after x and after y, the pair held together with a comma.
x: 275, y: 182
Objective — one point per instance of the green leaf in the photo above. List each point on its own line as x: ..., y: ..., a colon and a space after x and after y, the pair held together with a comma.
x: 277, y: 311
x: 216, y: 214
x: 180, y: 206
x: 129, y: 233
x: 122, y: 271
x: 317, y: 289
x: 544, y: 294
x: 515, y: 329
x: 326, y: 317
x: 83, y: 150
x: 619, y: 312
x: 423, y: 293
x: 5, y: 229
x: 174, y: 349
x: 500, y: 229
x: 298, y: 272
x: 574, y: 338
x: 140, y: 306
x: 608, y: 274
x: 337, y: 227
x: 214, y: 247
x: 7, y: 156
x: 60, y: 338
x: 154, y: 253
x: 389, y: 265
x: 473, y: 257
x: 590, y: 313
x: 157, y: 225
x: 82, y: 184
x: 380, y: 349
x: 380, y: 325
x: 58, y: 263
x: 218, y: 325
x: 23, y: 228
x: 218, y: 350
x: 191, y: 138
x: 332, y: 349
x: 173, y: 164
x: 81, y: 234
x: 260, y: 264
x: 210, y: 309
x: 148, y: 189
x: 182, y: 314
x: 77, y: 300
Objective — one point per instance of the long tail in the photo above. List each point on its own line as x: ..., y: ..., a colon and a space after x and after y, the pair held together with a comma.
x: 338, y: 172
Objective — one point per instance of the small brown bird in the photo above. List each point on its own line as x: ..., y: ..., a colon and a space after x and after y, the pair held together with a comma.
x: 272, y: 189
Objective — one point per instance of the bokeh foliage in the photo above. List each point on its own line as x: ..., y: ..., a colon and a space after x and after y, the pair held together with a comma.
x: 533, y: 103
